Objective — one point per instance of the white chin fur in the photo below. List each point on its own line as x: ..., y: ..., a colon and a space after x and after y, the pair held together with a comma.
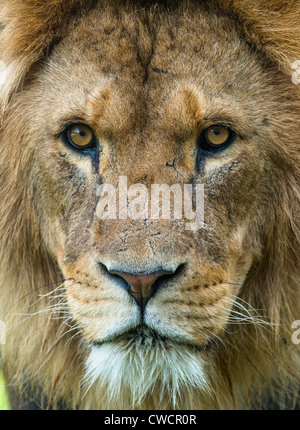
x: 138, y: 365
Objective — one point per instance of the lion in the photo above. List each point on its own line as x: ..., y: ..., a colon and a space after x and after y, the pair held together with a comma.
x: 106, y: 303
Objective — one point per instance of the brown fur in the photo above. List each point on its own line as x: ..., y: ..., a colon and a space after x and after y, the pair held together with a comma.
x: 148, y: 76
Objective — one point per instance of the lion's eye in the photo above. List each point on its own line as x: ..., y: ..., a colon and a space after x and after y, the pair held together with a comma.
x: 216, y: 137
x: 80, y: 136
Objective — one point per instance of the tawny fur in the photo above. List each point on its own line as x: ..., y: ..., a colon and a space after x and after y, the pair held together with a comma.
x: 256, y: 366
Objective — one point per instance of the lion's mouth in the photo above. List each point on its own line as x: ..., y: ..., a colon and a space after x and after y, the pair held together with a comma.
x: 143, y: 336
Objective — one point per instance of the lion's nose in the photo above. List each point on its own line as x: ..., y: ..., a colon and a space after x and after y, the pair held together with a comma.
x: 142, y: 285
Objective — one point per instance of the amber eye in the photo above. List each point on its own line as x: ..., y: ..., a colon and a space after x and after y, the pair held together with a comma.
x: 216, y: 137
x: 80, y: 136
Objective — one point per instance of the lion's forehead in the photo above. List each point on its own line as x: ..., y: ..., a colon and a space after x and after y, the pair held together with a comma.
x: 143, y: 40
x: 125, y: 67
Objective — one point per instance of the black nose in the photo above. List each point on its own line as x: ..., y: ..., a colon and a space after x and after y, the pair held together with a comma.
x: 142, y: 285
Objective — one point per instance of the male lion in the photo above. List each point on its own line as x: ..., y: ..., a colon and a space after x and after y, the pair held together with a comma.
x: 104, y: 309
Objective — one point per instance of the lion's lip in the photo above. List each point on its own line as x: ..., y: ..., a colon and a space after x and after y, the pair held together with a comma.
x: 143, y: 333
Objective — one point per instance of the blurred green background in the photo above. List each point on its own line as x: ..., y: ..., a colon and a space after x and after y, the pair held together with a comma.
x: 4, y: 404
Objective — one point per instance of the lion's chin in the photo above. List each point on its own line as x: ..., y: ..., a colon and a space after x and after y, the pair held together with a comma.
x: 139, y: 362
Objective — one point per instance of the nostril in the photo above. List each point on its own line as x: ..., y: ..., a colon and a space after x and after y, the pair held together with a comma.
x: 114, y: 276
x: 167, y: 277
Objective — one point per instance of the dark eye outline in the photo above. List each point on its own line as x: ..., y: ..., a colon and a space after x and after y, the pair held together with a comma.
x: 68, y: 140
x: 210, y: 147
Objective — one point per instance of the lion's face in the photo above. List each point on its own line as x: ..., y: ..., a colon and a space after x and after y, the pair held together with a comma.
x: 151, y: 101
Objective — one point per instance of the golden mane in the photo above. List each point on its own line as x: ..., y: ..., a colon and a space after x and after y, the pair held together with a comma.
x: 260, y: 361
